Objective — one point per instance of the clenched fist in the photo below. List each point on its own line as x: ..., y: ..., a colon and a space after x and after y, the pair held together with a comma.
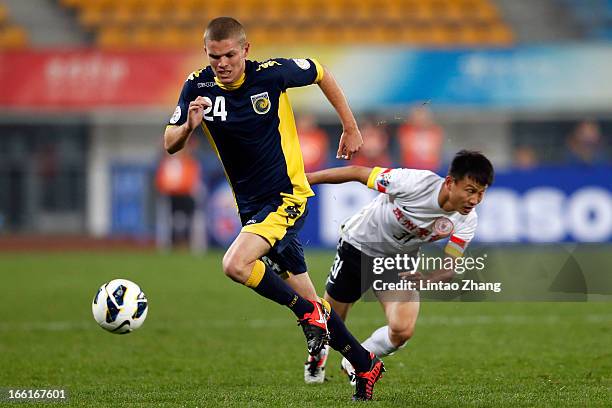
x: 196, y: 111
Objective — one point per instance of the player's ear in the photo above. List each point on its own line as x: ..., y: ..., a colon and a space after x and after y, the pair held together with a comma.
x: 448, y: 181
x: 247, y: 46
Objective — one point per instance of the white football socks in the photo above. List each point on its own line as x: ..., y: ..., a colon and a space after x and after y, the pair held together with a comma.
x: 379, y: 342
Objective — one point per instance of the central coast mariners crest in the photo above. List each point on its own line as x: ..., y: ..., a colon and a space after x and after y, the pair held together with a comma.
x: 261, y: 103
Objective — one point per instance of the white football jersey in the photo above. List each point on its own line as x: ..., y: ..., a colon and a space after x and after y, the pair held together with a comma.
x: 407, y: 215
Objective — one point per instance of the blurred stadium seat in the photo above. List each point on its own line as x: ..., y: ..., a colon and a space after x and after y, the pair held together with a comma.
x: 161, y: 23
x: 593, y: 16
x: 12, y: 36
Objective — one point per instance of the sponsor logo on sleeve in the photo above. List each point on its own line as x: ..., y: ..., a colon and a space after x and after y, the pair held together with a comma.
x: 176, y: 115
x: 302, y: 63
x: 383, y: 180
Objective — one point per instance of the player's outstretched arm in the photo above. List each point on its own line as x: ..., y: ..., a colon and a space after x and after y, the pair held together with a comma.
x: 350, y: 140
x: 175, y: 137
x: 340, y: 175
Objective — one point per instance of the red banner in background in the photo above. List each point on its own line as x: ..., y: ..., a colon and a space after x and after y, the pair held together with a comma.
x: 88, y: 79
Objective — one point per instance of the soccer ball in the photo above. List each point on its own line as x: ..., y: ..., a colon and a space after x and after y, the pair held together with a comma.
x: 120, y: 306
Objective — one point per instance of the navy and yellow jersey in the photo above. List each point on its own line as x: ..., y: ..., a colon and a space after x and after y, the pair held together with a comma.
x: 250, y: 124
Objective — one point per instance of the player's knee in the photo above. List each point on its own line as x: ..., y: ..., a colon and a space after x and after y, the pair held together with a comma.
x: 399, y: 334
x: 340, y: 308
x: 234, y: 267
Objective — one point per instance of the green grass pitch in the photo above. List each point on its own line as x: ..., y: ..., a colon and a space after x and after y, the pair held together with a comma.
x: 210, y: 342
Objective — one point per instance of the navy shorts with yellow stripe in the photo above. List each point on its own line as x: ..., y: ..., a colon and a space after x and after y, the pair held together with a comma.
x: 279, y: 222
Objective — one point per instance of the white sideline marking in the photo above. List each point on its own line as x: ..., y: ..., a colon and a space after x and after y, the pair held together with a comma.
x: 473, y: 320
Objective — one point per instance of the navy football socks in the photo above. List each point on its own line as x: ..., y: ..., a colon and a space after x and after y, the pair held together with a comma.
x: 344, y: 342
x: 274, y: 288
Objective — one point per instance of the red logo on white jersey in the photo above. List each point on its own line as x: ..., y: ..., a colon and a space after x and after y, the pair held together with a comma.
x: 443, y: 226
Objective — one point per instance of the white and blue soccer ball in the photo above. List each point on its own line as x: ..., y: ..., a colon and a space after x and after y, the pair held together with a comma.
x: 120, y: 306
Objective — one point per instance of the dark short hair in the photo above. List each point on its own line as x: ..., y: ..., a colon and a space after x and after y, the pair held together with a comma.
x: 223, y: 28
x: 474, y: 165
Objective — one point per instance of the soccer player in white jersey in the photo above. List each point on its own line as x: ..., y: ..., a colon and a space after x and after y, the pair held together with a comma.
x: 415, y: 207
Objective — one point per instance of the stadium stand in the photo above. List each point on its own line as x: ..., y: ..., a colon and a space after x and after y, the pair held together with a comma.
x: 168, y: 24
x: 593, y: 16
x: 12, y: 36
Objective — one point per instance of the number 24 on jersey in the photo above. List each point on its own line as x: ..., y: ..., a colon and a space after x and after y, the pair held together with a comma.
x: 217, y: 108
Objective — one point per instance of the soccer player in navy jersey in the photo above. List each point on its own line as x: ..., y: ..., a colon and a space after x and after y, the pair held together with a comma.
x: 243, y: 109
